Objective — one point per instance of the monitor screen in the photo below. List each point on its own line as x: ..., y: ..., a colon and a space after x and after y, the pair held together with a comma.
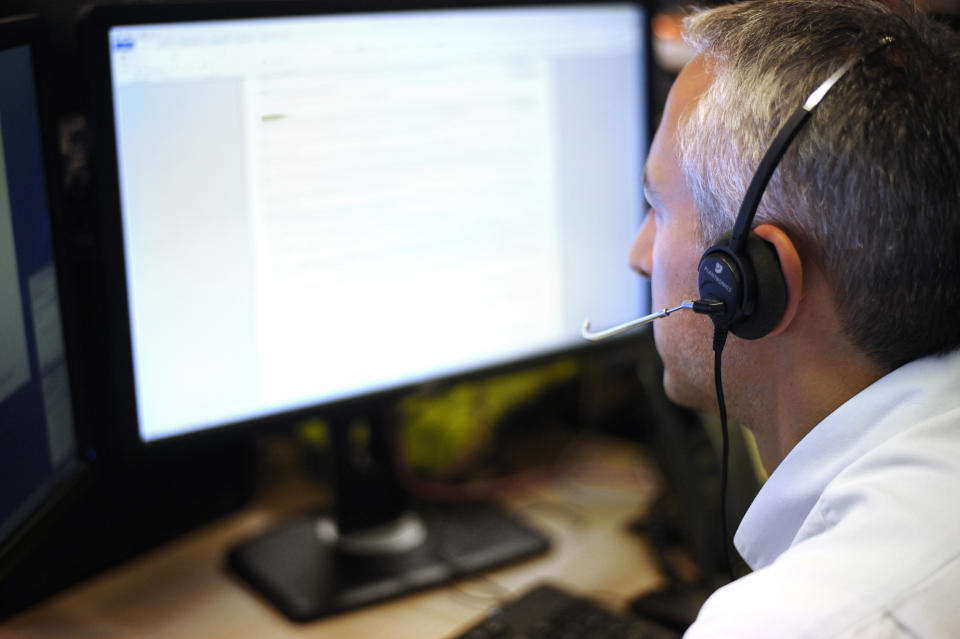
x: 38, y: 447
x: 318, y: 207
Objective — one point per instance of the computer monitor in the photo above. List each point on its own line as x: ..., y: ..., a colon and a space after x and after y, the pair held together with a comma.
x: 314, y: 206
x: 39, y: 462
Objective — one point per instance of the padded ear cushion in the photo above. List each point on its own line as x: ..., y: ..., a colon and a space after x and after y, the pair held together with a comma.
x: 771, y: 290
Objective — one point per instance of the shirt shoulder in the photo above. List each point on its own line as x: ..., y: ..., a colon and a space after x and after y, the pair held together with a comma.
x: 792, y: 603
x: 927, y: 611
x: 878, y: 555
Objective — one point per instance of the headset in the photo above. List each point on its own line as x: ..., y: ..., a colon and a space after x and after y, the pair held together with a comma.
x: 744, y: 273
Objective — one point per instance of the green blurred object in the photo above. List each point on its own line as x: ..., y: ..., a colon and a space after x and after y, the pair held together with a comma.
x: 313, y: 433
x: 441, y: 433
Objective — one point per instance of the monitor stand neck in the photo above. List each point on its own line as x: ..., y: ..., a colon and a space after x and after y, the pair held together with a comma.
x: 396, y: 537
x: 371, y: 506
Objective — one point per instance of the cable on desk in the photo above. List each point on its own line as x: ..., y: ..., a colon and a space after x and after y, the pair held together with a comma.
x: 498, y: 593
x: 576, y: 517
x: 463, y: 577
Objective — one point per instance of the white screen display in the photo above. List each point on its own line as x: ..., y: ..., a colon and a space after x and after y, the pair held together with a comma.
x: 315, y: 208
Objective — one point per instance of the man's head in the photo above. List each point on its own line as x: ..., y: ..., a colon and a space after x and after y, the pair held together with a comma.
x: 863, y: 210
x: 869, y: 192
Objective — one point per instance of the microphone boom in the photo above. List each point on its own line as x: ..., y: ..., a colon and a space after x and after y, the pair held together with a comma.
x: 707, y: 307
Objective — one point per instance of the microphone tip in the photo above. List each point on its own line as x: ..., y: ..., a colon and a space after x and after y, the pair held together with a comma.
x: 586, y: 325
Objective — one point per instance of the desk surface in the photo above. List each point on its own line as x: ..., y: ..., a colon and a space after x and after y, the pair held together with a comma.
x: 182, y: 589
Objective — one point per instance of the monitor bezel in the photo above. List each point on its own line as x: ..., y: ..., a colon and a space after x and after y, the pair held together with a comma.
x: 39, y: 512
x: 120, y: 436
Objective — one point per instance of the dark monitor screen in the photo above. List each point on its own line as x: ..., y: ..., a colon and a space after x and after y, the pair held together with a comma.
x: 317, y: 207
x: 38, y: 446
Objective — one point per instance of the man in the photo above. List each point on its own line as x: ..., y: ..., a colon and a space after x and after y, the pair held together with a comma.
x: 854, y: 396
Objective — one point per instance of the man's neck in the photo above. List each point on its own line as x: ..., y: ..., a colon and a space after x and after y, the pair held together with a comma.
x: 813, y: 378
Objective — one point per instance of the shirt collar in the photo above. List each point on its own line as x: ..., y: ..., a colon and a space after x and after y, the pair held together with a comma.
x: 872, y: 416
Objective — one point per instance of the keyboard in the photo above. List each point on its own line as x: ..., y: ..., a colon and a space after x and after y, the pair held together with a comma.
x: 548, y: 612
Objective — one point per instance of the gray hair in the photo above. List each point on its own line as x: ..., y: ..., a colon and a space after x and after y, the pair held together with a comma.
x: 870, y: 190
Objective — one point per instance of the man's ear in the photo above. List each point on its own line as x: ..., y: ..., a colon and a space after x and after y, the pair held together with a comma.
x: 790, y: 265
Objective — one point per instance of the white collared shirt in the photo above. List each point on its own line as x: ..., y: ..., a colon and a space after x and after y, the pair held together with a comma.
x: 856, y: 533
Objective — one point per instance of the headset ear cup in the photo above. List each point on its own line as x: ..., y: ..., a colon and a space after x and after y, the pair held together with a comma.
x: 770, y: 289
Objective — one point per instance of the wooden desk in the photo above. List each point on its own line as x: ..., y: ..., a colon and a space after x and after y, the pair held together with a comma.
x: 183, y: 589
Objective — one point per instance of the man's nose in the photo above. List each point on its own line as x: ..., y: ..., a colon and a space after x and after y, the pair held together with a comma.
x: 641, y: 253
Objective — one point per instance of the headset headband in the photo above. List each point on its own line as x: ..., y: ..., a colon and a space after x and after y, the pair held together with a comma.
x: 751, y: 201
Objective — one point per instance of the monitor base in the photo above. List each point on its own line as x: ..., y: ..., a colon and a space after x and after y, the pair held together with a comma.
x: 306, y: 574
